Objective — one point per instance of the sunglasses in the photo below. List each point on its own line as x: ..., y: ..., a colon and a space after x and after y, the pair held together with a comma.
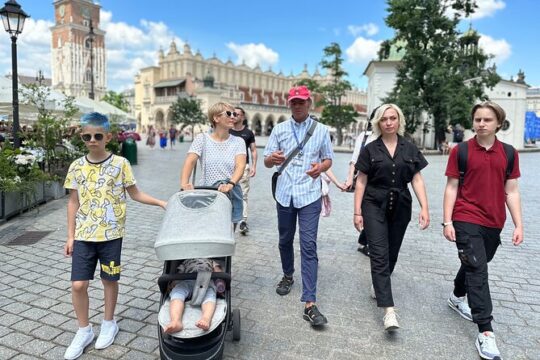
x: 88, y: 137
x: 232, y: 114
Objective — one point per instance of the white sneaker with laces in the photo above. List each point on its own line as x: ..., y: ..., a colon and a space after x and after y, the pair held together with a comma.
x: 487, y: 346
x: 459, y: 304
x: 82, y: 339
x: 106, y: 335
x: 390, y: 321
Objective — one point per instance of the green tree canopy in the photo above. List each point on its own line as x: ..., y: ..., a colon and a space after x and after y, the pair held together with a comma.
x: 187, y: 111
x: 441, y: 72
x: 117, y: 100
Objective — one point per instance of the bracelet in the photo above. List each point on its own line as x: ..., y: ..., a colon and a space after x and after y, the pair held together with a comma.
x: 356, y: 214
x: 231, y: 182
x: 445, y: 224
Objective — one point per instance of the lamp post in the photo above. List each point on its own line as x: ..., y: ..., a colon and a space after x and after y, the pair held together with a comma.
x: 13, y: 18
x: 91, y: 39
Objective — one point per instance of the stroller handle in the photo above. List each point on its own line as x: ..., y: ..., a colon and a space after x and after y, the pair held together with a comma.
x: 215, y: 188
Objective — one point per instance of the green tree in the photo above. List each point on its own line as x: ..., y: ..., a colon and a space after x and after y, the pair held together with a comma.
x: 117, y: 100
x: 187, y: 111
x: 441, y: 72
x: 335, y: 113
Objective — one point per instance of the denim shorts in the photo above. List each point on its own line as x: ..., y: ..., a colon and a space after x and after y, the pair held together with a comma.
x: 86, y: 255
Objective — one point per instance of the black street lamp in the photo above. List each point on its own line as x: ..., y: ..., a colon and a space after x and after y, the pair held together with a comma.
x: 91, y: 40
x: 13, y: 18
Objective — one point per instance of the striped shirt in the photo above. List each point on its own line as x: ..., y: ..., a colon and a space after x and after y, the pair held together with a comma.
x: 294, y: 184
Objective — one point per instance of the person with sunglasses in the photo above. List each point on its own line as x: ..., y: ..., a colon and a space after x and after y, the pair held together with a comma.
x: 222, y: 157
x: 96, y: 216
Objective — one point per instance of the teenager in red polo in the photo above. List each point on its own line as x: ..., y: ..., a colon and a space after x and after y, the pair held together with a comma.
x: 474, y: 215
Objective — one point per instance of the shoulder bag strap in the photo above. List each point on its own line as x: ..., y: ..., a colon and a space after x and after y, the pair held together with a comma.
x: 297, y: 149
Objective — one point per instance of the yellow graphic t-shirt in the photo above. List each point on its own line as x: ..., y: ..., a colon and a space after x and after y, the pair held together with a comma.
x: 101, y: 189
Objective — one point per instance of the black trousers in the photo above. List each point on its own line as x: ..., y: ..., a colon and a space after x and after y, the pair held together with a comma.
x: 476, y: 247
x: 384, y: 238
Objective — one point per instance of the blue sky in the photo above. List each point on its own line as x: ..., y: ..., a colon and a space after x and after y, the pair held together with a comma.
x: 280, y: 34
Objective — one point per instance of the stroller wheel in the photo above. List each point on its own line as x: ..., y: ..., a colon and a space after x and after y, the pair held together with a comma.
x: 236, y: 324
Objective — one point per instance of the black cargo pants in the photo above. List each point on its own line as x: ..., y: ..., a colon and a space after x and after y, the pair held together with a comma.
x: 476, y: 245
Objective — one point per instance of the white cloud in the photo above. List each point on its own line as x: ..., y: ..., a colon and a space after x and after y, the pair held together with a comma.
x: 487, y: 8
x: 254, y: 54
x: 33, y: 49
x: 370, y: 29
x: 362, y: 50
x: 501, y: 49
x: 129, y: 48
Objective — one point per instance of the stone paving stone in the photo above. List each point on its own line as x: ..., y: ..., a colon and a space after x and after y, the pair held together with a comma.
x: 7, y: 353
x: 46, y: 332
x: 144, y: 344
x: 9, y: 319
x: 134, y: 354
x: 25, y: 326
x: 34, y: 313
x: 15, y: 340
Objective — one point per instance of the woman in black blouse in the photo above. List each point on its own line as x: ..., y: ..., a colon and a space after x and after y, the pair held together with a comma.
x: 382, y: 201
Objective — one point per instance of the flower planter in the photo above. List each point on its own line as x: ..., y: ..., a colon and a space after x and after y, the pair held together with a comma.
x: 14, y: 203
x: 54, y: 190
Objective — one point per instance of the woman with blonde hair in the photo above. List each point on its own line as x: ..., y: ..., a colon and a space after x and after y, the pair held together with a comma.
x: 382, y: 201
x: 222, y: 157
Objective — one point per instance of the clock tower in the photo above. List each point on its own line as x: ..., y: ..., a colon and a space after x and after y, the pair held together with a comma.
x: 78, y: 49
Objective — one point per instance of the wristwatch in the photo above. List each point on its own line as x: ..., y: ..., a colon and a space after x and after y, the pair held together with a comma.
x: 444, y: 224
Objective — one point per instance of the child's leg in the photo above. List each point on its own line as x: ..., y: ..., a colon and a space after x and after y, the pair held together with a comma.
x: 208, y: 307
x: 79, y: 297
x: 110, y: 289
x: 178, y: 297
x: 176, y: 312
x: 109, y: 260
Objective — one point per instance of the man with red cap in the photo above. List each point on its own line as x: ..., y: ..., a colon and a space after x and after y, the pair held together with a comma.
x: 298, y: 194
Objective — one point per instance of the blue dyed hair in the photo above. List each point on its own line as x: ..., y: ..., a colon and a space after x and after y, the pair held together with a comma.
x: 95, y: 119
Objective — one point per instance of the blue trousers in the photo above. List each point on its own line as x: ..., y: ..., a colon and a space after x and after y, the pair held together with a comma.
x: 308, y: 223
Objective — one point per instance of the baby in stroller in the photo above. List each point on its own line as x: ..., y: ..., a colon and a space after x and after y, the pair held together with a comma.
x: 183, y: 289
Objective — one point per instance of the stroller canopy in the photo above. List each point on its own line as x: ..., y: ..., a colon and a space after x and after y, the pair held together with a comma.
x: 197, y: 223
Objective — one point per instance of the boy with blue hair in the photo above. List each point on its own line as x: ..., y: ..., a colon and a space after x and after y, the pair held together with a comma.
x: 98, y: 183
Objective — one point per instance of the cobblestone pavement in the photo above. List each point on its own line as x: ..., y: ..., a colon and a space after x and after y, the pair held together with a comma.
x: 37, y: 319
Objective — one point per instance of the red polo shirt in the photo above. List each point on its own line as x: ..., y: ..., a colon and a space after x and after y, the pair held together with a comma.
x: 481, y: 199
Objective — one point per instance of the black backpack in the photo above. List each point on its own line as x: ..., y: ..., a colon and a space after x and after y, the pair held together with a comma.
x: 463, y: 153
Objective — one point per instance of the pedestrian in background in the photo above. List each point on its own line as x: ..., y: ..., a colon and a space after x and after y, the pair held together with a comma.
x: 172, y: 135
x: 364, y: 138
x: 96, y: 215
x: 474, y: 215
x: 382, y: 201
x: 241, y: 130
x: 298, y: 195
x: 151, y: 139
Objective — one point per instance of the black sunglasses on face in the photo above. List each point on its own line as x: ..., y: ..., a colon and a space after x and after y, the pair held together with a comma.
x: 88, y: 137
x: 230, y: 113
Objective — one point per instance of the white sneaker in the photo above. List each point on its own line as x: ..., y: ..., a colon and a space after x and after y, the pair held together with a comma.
x: 487, y: 346
x: 372, y: 292
x: 390, y: 321
x: 106, y: 336
x: 82, y: 339
x: 459, y: 304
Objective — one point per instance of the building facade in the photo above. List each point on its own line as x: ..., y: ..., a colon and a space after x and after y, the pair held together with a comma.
x: 78, y: 58
x: 262, y: 94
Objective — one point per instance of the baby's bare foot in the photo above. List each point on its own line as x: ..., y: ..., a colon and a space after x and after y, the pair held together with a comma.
x: 173, y: 327
x: 203, y: 323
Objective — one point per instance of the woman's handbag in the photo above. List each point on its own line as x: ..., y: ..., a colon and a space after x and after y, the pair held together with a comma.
x: 276, y: 175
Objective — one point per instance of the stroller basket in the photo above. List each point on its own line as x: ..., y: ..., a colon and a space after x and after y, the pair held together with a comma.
x: 197, y: 223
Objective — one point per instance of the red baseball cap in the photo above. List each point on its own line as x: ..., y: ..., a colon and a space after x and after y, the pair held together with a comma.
x: 299, y: 92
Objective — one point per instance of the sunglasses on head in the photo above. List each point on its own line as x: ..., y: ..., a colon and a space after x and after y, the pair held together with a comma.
x: 88, y: 137
x: 230, y: 113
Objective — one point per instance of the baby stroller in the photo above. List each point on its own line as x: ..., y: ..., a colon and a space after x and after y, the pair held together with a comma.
x: 197, y: 224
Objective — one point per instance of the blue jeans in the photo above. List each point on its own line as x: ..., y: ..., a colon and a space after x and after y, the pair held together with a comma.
x: 308, y: 223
